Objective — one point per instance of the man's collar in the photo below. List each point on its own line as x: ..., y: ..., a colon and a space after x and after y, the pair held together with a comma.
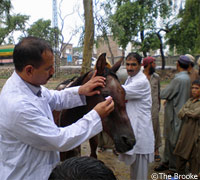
x: 35, y: 89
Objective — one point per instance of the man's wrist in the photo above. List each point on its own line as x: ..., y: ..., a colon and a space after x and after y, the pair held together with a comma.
x: 80, y: 92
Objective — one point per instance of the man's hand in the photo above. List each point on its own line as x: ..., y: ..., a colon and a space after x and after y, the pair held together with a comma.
x: 87, y: 89
x: 105, y: 108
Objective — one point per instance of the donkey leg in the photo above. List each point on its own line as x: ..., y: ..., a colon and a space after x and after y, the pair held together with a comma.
x: 93, y: 146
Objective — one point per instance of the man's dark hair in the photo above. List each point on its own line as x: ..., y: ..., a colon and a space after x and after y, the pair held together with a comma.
x: 196, y: 82
x: 82, y: 168
x: 134, y: 55
x: 29, y: 52
x: 184, y: 66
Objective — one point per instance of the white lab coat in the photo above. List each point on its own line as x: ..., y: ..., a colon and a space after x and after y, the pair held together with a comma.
x: 29, y: 138
x: 138, y: 106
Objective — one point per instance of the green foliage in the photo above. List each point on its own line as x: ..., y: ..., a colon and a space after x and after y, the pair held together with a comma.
x: 185, y: 34
x: 133, y: 20
x: 5, y: 6
x: 151, y: 42
x: 17, y: 22
x: 42, y: 29
x: 10, y: 23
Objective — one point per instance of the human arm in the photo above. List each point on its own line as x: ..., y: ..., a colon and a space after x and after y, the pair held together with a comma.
x: 194, y: 110
x: 182, y: 112
x: 65, y: 99
x: 190, y: 110
x: 74, y: 96
x: 36, y: 128
x: 136, y: 89
x: 40, y: 132
x: 171, y: 90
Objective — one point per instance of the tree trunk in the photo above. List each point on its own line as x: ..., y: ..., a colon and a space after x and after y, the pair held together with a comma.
x: 89, y: 35
x: 142, y: 40
x: 161, y: 50
x: 110, y: 50
x: 123, y: 55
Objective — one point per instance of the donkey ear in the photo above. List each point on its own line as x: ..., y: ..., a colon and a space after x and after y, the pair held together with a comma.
x: 117, y: 65
x: 101, y: 64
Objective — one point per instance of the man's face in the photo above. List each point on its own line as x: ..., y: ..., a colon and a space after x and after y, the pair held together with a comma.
x: 195, y: 91
x: 42, y: 74
x: 132, y: 66
x: 152, y: 67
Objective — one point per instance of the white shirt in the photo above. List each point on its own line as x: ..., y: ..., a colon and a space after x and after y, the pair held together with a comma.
x: 29, y: 138
x: 138, y: 106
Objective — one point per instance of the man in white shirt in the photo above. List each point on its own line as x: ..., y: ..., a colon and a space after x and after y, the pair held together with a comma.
x: 29, y: 139
x: 139, y: 102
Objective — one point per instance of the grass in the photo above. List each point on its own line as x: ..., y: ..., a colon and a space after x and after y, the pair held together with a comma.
x: 164, y: 83
x: 51, y: 84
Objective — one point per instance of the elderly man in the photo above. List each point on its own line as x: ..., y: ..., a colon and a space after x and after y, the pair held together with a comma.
x: 193, y: 73
x: 198, y: 63
x: 175, y: 94
x: 154, y: 79
x: 139, y: 102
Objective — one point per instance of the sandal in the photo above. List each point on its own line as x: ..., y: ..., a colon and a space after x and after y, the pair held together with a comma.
x: 157, y: 158
x: 115, y: 152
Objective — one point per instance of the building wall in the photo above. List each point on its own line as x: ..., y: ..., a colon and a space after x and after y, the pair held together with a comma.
x: 68, y: 49
x: 103, y: 47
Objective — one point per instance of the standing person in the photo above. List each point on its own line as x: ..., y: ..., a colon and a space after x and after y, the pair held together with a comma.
x: 193, y: 73
x: 188, y: 144
x: 139, y: 102
x: 154, y: 79
x: 29, y: 138
x: 198, y: 63
x: 175, y: 94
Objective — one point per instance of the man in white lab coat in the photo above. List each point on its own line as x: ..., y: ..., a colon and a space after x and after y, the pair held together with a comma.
x: 139, y: 103
x: 29, y: 139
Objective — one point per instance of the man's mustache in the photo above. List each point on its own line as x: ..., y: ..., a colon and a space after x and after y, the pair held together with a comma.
x: 130, y: 70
